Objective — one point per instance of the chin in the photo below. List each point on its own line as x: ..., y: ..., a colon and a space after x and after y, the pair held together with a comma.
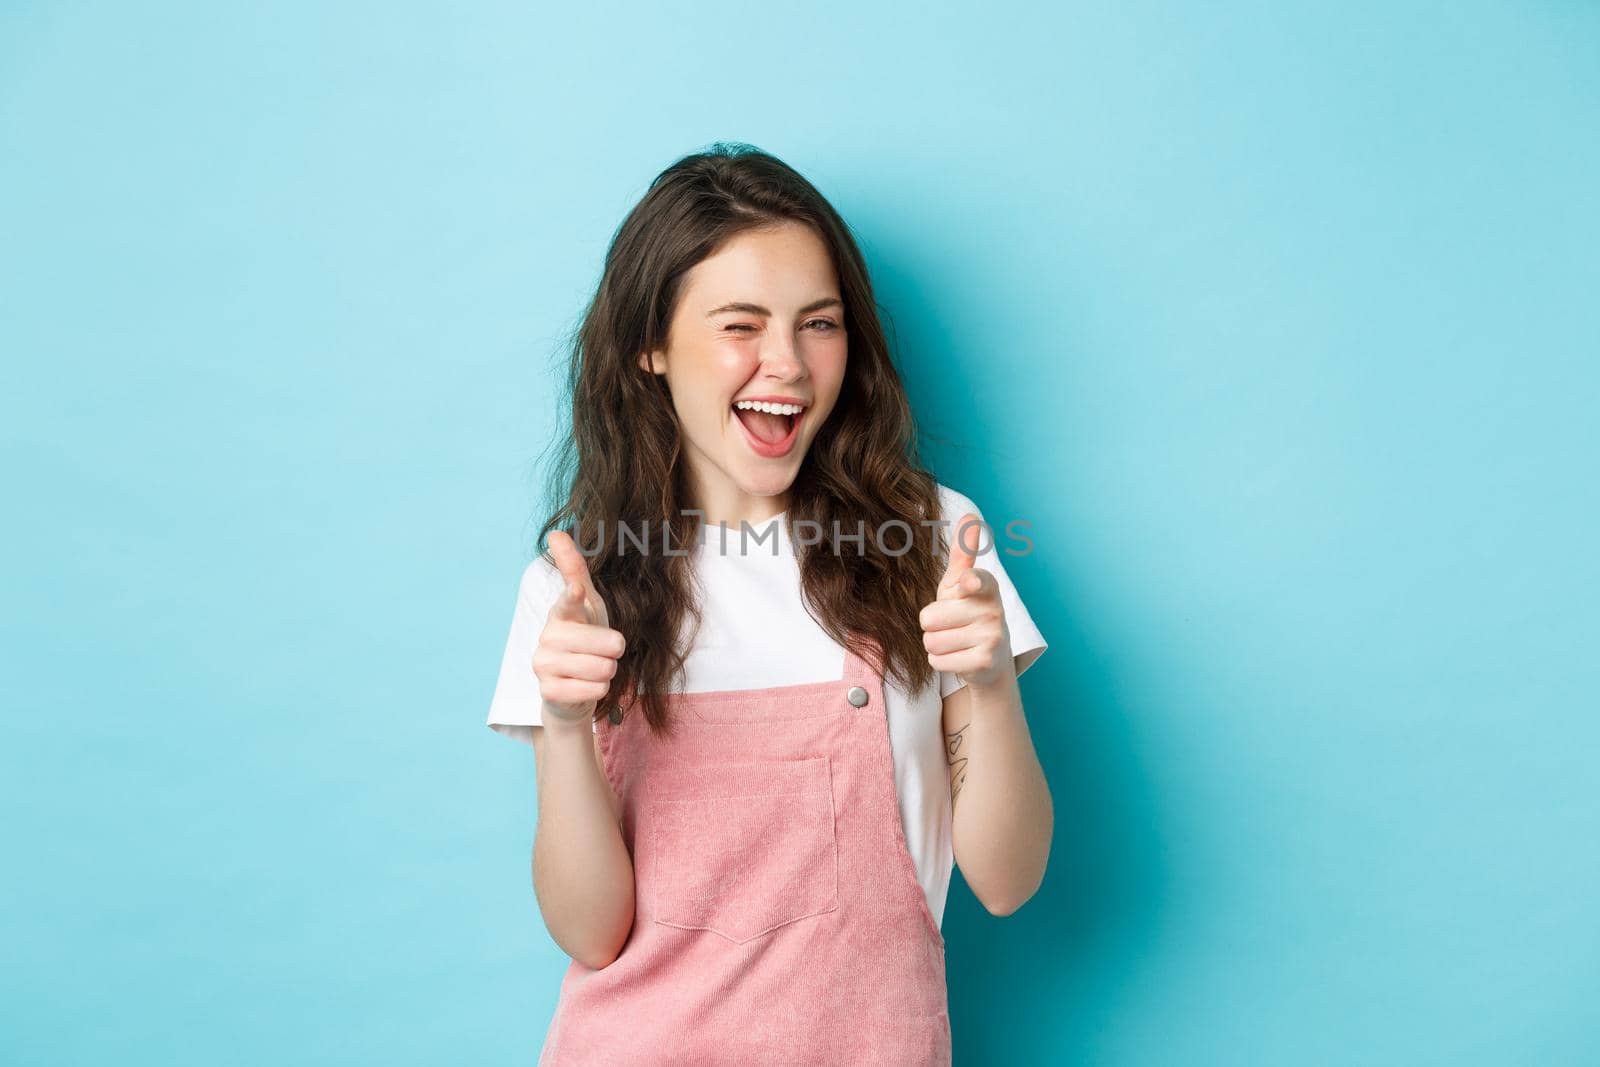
x: 766, y: 483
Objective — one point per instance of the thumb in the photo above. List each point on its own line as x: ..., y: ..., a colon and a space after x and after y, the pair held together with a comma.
x: 966, y: 538
x: 578, y: 600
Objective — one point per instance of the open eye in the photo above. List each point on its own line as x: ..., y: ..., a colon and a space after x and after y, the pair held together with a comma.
x: 825, y: 324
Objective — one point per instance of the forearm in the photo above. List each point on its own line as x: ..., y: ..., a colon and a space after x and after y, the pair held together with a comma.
x: 1003, y: 818
x: 582, y: 872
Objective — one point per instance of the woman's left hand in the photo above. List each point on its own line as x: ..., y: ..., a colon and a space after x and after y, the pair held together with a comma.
x: 964, y: 629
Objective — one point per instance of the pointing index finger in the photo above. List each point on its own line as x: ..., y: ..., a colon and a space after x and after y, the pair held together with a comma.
x: 965, y: 539
x: 575, y: 570
x: 569, y: 561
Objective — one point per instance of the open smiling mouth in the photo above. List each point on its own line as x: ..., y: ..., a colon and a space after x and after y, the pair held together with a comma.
x: 770, y: 427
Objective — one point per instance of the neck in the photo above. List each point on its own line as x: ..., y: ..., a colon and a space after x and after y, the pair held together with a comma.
x: 757, y: 511
x: 727, y: 503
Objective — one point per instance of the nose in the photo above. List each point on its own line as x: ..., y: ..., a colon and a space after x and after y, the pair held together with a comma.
x: 780, y: 362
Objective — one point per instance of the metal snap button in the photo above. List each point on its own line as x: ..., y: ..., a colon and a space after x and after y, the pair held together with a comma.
x: 857, y: 696
x: 615, y: 716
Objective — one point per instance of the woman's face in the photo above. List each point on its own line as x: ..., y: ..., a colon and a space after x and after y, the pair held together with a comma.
x: 760, y: 320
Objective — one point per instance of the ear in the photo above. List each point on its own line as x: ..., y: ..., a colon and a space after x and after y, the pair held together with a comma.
x: 655, y: 362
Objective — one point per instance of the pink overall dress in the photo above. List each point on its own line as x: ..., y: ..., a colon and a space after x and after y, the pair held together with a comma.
x: 778, y: 915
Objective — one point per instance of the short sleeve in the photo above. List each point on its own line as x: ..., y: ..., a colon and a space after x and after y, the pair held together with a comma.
x: 515, y: 708
x: 1027, y: 643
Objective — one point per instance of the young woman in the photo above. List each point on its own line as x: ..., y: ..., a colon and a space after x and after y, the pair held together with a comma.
x: 759, y: 746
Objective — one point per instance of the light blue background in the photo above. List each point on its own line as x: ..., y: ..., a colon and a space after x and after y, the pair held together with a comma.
x: 1279, y: 326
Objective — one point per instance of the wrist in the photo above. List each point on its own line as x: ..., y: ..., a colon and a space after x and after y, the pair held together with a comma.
x: 1002, y: 682
x: 560, y: 726
x: 1002, y: 678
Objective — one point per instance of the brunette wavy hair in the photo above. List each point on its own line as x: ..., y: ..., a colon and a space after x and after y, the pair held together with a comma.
x: 623, y: 460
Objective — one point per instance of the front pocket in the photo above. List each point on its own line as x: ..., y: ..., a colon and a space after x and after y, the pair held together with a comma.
x: 741, y: 849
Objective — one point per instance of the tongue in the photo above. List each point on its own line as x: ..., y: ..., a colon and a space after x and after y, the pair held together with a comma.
x: 766, y: 428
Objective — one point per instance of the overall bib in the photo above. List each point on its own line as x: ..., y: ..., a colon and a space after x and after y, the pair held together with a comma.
x: 778, y: 917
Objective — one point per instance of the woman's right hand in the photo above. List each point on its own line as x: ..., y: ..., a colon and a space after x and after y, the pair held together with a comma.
x: 578, y: 651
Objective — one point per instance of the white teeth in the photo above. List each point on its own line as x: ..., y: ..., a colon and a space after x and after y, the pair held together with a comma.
x: 771, y: 409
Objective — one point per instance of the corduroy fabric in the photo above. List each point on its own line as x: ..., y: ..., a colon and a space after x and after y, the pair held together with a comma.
x: 778, y: 917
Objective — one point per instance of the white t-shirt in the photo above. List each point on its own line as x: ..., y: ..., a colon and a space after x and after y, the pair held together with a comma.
x: 763, y: 583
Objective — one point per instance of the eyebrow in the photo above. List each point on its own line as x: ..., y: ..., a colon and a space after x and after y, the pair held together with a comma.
x: 757, y: 309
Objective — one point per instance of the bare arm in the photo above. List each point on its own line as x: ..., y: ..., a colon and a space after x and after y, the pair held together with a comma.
x: 1003, y: 814
x: 582, y: 872
x: 1001, y: 809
